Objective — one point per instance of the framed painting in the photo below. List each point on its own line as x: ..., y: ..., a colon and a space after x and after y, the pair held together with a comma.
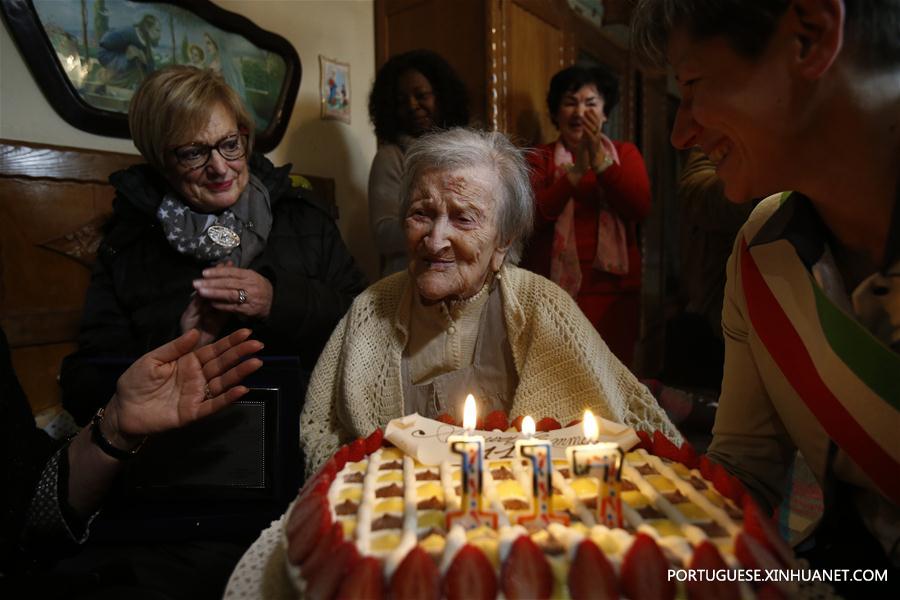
x: 334, y: 89
x: 89, y: 56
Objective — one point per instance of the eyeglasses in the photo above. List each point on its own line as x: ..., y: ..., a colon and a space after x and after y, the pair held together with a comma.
x: 194, y: 156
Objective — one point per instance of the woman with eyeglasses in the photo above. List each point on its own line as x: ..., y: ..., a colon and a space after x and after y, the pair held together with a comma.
x: 207, y: 235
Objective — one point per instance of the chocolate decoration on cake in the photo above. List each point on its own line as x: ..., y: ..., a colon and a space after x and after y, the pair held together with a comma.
x: 675, y: 497
x: 515, y: 504
x: 417, y: 516
x: 431, y: 504
x: 712, y: 529
x: 389, y: 491
x: 502, y: 474
x: 733, y: 511
x: 387, y: 522
x: 348, y: 507
x: 648, y: 512
x: 627, y: 486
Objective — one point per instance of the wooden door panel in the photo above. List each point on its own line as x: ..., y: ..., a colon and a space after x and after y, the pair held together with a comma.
x: 454, y: 30
x: 536, y: 51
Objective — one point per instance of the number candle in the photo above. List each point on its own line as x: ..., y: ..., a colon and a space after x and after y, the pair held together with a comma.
x: 538, y: 454
x: 603, y: 461
x: 471, y: 451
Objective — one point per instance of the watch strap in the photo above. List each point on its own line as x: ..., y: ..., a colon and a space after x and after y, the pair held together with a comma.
x: 104, y: 444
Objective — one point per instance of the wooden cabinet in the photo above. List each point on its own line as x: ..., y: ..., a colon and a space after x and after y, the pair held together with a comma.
x: 506, y: 51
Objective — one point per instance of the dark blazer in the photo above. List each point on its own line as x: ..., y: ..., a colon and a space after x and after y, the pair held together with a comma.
x: 140, y: 285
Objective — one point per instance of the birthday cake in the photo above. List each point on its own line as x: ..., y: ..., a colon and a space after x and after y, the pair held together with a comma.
x: 373, y: 522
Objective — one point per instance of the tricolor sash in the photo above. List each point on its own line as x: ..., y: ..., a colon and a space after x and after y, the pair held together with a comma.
x: 844, y: 375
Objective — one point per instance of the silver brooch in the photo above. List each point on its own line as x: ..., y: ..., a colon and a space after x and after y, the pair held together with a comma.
x: 223, y: 236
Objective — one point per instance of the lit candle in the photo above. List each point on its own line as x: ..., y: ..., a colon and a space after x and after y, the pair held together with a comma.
x: 538, y: 454
x: 471, y: 451
x: 604, y: 462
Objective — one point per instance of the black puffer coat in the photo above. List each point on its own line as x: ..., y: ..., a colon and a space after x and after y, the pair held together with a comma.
x: 140, y: 286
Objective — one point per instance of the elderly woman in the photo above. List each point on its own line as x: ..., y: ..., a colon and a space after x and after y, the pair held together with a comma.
x: 209, y: 236
x: 413, y: 93
x: 462, y: 318
x: 590, y: 194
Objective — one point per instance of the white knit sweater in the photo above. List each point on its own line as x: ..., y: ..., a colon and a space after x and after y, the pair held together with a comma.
x: 562, y: 363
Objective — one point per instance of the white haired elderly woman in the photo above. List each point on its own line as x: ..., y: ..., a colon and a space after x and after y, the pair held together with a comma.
x: 463, y: 318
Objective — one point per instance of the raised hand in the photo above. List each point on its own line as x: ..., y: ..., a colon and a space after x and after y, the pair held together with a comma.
x: 599, y: 148
x: 175, y: 385
x: 234, y: 290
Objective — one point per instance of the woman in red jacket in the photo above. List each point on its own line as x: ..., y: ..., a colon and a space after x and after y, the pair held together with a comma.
x: 590, y: 194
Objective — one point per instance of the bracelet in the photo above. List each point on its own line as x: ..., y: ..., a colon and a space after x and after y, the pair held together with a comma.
x: 104, y: 444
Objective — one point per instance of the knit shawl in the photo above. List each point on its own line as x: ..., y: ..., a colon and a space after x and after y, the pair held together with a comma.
x: 563, y: 366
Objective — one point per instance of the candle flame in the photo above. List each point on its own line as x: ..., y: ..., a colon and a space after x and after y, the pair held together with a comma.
x: 528, y: 426
x: 591, y: 431
x: 469, y: 415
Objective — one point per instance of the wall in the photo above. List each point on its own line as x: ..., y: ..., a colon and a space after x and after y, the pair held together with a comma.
x: 339, y: 29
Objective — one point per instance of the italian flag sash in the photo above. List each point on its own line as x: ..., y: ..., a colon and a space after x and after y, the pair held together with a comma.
x: 846, y: 377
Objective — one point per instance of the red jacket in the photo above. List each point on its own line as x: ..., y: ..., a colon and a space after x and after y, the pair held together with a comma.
x: 627, y: 192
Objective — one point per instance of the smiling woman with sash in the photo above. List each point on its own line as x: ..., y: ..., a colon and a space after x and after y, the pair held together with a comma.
x: 804, y: 95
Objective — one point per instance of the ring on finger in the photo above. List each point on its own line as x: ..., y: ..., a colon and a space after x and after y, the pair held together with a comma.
x: 242, y: 296
x: 207, y: 393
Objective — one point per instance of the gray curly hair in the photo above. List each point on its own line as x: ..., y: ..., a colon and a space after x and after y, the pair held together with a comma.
x: 461, y: 148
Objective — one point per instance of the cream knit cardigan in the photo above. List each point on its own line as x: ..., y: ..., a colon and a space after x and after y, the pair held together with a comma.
x: 562, y: 363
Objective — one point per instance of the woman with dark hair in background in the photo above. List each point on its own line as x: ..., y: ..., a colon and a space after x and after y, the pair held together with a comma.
x: 590, y: 194
x: 413, y: 93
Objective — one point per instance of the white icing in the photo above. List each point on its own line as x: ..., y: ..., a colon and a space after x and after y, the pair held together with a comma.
x: 688, y: 491
x: 410, y: 512
x: 656, y: 499
x: 523, y: 476
x: 493, y: 502
x: 451, y: 499
x: 508, y: 535
x: 631, y: 516
x: 455, y: 540
x: 583, y: 512
x: 367, y: 505
x: 408, y: 539
x: 568, y: 537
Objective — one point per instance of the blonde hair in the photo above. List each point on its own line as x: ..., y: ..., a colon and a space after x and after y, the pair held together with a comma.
x: 173, y: 104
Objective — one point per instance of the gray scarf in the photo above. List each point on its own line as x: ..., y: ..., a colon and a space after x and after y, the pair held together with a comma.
x: 238, y: 234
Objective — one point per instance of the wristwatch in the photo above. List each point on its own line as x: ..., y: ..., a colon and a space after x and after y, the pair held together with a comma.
x: 104, y: 444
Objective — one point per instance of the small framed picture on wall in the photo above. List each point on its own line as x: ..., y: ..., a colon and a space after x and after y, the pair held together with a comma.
x: 334, y: 89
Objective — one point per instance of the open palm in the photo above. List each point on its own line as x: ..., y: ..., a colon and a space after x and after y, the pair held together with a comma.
x: 175, y: 385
